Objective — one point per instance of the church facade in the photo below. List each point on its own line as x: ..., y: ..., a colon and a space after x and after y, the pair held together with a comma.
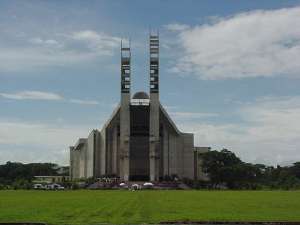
x: 139, y: 141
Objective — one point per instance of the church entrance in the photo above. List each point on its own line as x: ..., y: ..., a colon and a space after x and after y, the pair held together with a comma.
x: 139, y: 158
x: 139, y: 143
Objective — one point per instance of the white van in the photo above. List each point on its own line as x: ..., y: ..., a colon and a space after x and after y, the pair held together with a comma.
x: 39, y: 187
x: 55, y: 187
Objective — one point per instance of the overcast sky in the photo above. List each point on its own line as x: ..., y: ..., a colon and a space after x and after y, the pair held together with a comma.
x: 230, y: 73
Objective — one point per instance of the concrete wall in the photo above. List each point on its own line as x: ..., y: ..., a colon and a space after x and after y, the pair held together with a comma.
x: 110, y: 147
x: 83, y: 161
x: 124, y: 136
x: 173, y: 152
x: 77, y: 166
x: 90, y: 155
x: 75, y: 155
x: 102, y: 161
x: 188, y: 156
x: 154, y: 136
x: 72, y: 165
x: 198, y: 156
x: 84, y: 155
x: 97, y: 154
x: 114, y: 154
x: 177, y: 155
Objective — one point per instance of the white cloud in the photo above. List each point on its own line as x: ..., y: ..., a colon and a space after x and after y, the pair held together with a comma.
x: 58, y: 50
x: 40, y: 41
x: 29, y: 58
x: 257, y: 43
x: 178, y: 115
x: 49, y: 96
x: 269, y: 132
x: 32, y: 95
x: 191, y: 115
x: 38, y: 142
x: 274, y: 119
x: 99, y: 42
x: 176, y: 27
x: 84, y: 102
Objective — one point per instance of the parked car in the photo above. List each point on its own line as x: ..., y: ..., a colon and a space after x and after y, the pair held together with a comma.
x: 39, y: 187
x: 148, y: 185
x: 55, y: 187
x: 123, y: 185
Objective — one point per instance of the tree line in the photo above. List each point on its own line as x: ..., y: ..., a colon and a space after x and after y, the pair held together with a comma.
x: 19, y: 175
x: 226, y: 170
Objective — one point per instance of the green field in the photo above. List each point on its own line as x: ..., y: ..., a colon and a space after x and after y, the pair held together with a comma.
x: 125, y: 207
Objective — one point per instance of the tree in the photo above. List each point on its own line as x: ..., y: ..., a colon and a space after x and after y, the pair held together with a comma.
x: 221, y: 166
x: 225, y: 168
x: 11, y: 172
x: 295, y: 169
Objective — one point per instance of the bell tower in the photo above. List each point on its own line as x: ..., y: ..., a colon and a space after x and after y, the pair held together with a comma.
x: 154, y: 106
x: 125, y: 111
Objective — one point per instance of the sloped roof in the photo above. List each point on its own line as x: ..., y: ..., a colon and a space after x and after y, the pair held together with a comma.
x: 164, y: 112
x: 113, y: 115
x: 80, y: 143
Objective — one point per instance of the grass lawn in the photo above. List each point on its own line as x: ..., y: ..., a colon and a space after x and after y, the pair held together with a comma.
x: 125, y: 207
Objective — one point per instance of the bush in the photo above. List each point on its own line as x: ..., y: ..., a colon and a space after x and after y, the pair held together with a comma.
x: 189, y: 182
x: 21, y: 184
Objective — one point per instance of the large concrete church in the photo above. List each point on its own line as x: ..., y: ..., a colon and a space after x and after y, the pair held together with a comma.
x: 139, y: 141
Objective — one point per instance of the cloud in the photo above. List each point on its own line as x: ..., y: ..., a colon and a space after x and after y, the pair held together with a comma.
x: 275, y: 119
x: 49, y: 96
x: 32, y: 95
x: 40, y: 41
x: 31, y: 58
x: 257, y: 43
x: 27, y: 52
x: 38, y: 142
x: 84, y: 102
x: 99, y: 42
x: 176, y: 27
x: 268, y: 133
x: 178, y: 115
x: 98, y: 38
x: 191, y: 115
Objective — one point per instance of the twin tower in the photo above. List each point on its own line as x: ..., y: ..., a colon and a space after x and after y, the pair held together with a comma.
x: 139, y: 141
x: 153, y: 117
